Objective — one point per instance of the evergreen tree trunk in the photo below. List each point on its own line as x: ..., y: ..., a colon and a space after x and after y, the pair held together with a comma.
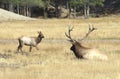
x: 74, y: 12
x: 88, y: 11
x: 27, y: 10
x: 45, y: 6
x: 18, y: 11
x: 45, y: 14
x: 68, y: 8
x: 11, y: 7
x: 85, y: 12
x: 24, y: 10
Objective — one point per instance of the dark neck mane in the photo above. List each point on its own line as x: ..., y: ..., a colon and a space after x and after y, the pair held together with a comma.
x: 80, y: 45
x: 38, y: 40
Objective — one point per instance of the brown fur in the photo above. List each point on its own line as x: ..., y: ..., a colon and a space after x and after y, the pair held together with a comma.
x: 87, y: 53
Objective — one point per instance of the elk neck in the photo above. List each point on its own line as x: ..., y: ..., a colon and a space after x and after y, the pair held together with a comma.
x: 38, y: 40
x: 76, y: 47
x: 80, y: 45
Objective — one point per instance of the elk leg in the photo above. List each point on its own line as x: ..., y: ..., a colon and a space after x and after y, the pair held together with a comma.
x: 19, y: 47
x: 21, y: 50
x: 30, y: 49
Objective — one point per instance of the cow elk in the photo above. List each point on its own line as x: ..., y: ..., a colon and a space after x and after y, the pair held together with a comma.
x: 82, y: 52
x: 29, y: 41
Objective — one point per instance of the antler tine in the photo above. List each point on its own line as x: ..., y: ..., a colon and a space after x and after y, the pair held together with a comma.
x: 69, y: 34
x: 70, y: 29
x: 91, y: 28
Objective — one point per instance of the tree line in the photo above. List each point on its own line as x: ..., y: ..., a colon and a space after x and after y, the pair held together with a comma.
x: 20, y: 6
x: 54, y: 7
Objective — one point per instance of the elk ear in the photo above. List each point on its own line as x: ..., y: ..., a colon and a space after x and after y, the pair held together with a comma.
x: 39, y: 32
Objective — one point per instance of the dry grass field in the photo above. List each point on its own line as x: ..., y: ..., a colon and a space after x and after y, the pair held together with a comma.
x: 54, y: 60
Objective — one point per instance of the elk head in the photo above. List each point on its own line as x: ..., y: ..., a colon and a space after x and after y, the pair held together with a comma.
x: 40, y: 34
x: 81, y: 51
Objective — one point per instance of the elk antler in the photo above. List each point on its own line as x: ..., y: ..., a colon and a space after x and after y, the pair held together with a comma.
x: 69, y: 35
x: 91, y: 29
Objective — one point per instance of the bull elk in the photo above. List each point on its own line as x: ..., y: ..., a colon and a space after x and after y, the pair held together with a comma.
x: 29, y: 41
x: 82, y: 52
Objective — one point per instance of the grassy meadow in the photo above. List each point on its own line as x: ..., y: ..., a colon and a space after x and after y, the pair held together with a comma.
x: 54, y: 60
